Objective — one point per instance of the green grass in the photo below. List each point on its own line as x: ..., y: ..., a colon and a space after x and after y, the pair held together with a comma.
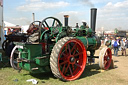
x: 8, y: 75
x: 92, y: 75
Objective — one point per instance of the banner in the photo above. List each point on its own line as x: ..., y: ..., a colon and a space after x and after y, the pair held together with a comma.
x: 1, y: 3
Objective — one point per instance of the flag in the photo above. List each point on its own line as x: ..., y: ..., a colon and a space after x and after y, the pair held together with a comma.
x: 1, y: 3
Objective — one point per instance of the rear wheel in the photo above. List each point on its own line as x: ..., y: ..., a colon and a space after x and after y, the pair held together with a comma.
x: 13, y: 58
x: 105, y: 58
x: 68, y: 59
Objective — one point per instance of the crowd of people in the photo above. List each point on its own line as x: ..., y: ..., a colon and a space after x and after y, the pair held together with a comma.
x: 117, y: 44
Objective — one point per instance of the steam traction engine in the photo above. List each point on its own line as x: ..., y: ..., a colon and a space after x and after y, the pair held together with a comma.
x: 59, y: 49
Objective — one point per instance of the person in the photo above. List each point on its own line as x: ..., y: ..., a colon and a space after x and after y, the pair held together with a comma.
x: 126, y: 43
x: 105, y: 40
x: 115, y: 46
x: 77, y: 26
x: 112, y: 42
x: 108, y: 43
x: 119, y: 47
x: 123, y: 46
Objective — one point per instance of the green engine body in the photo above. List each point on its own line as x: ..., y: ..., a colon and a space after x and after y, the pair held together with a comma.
x: 35, y: 57
x: 32, y: 59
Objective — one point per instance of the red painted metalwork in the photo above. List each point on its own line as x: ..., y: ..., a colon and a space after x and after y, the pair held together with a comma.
x: 72, y: 59
x: 43, y: 46
x: 46, y: 28
x: 107, y: 58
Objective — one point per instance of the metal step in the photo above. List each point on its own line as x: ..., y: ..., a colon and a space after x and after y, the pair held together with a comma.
x: 42, y: 57
x: 35, y: 68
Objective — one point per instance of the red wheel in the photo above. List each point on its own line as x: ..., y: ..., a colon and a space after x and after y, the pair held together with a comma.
x: 68, y: 59
x: 105, y: 58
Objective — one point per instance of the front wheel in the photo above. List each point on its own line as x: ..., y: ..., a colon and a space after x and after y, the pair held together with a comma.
x: 105, y: 58
x: 68, y: 59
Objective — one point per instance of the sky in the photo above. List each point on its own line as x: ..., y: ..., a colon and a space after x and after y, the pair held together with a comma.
x: 111, y: 14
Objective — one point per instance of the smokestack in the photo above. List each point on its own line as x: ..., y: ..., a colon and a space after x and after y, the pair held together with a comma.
x: 33, y: 16
x: 93, y: 18
x: 66, y: 20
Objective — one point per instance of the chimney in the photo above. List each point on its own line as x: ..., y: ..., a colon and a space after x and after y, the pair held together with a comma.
x: 93, y: 18
x: 33, y: 16
x: 66, y: 20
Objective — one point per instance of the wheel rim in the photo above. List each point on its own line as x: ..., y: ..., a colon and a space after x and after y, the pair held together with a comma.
x: 13, y: 58
x: 107, y: 58
x: 72, y: 59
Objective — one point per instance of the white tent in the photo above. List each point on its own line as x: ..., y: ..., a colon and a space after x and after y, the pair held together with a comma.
x: 25, y: 28
x: 6, y: 24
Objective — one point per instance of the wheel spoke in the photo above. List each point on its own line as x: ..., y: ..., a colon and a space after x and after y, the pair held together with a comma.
x: 105, y: 62
x: 63, y: 68
x: 74, y: 52
x: 73, y: 48
x: 66, y: 69
x: 78, y: 65
x: 63, y: 63
x: 62, y: 58
x: 53, y: 23
x: 64, y: 54
x: 43, y: 25
x: 70, y: 70
x: 46, y: 23
x: 69, y: 49
x: 105, y: 57
x: 78, y: 54
x: 66, y: 49
x: 73, y: 67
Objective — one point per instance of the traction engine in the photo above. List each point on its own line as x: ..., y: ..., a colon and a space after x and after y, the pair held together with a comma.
x: 60, y: 49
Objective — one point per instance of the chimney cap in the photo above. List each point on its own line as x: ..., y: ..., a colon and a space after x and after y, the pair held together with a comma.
x: 66, y: 16
x: 93, y: 8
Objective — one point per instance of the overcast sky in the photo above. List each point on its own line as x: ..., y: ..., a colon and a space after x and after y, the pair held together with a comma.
x: 111, y: 14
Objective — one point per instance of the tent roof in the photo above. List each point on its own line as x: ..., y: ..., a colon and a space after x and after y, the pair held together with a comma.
x: 8, y: 24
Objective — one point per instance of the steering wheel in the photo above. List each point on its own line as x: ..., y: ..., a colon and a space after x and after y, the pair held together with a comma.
x: 33, y: 27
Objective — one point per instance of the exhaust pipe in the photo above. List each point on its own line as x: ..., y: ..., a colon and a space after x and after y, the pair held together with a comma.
x: 66, y: 20
x: 93, y: 18
x: 33, y: 16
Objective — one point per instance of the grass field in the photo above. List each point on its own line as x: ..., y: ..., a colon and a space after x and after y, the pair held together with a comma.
x: 92, y: 75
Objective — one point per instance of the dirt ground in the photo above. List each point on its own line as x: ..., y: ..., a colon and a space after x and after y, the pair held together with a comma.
x: 121, y: 65
x: 120, y: 71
